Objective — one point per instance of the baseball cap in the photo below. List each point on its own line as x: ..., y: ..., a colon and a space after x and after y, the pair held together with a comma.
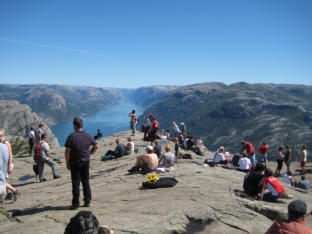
x: 297, y: 207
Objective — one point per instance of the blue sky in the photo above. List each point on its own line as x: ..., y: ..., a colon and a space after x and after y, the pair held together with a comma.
x: 132, y: 43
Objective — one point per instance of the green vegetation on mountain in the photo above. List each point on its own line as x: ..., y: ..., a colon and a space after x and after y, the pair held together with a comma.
x: 226, y: 114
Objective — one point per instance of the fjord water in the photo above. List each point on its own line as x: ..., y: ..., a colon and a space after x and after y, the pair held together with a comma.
x: 111, y: 119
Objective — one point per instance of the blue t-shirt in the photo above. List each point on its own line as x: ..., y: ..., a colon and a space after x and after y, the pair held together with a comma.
x: 4, y: 160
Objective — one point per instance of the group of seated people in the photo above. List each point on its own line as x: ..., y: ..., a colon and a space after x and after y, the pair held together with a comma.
x: 154, y: 159
x: 122, y: 149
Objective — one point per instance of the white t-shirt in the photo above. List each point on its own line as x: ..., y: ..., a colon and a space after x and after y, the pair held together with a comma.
x: 131, y: 147
x: 244, y: 163
x: 219, y: 157
x: 304, y: 155
x: 287, y: 179
x: 31, y: 134
x: 45, y: 148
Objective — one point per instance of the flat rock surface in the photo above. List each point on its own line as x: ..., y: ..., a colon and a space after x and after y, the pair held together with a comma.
x: 203, y: 201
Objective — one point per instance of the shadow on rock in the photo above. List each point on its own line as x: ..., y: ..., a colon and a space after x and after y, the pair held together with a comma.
x: 31, y: 211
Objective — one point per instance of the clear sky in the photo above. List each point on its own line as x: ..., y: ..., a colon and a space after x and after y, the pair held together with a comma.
x: 133, y: 43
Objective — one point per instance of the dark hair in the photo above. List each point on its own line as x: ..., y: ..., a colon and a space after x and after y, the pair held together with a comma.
x: 259, y: 167
x: 40, y: 125
x: 268, y: 172
x: 263, y: 143
x: 133, y: 111
x: 77, y: 122
x: 280, y: 148
x: 297, y: 210
x: 303, y: 177
x: 303, y: 147
x: 43, y: 136
x: 31, y: 128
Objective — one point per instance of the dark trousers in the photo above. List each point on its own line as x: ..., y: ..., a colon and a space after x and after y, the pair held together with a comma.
x: 80, y: 172
x: 31, y: 145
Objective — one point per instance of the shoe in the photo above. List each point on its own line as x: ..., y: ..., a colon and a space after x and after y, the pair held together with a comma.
x: 43, y: 179
x: 56, y: 177
x: 87, y: 204
x: 134, y: 169
x: 73, y: 207
x: 9, y: 196
x: 16, y: 195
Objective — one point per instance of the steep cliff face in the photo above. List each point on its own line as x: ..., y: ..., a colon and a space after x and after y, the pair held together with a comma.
x: 225, y: 114
x: 17, y: 118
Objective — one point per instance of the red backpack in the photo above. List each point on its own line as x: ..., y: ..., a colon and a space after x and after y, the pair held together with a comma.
x: 38, y: 151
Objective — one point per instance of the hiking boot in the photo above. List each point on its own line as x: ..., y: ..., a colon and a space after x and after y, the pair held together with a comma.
x: 73, y: 207
x: 16, y: 195
x: 43, y: 179
x: 87, y: 204
x: 56, y: 177
x: 9, y: 196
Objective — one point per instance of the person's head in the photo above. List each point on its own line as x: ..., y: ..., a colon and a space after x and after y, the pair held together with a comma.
x: 268, y: 172
x: 40, y: 125
x: 44, y: 137
x: 129, y: 139
x: 149, y: 149
x: 221, y: 149
x: 303, y: 147
x: 168, y: 131
x: 173, y: 123
x: 280, y: 148
x: 260, y: 167
x: 162, y: 131
x: 133, y: 111
x: 98, y: 130
x: 32, y: 129
x: 290, y: 173
x: 263, y: 143
x: 167, y: 148
x: 156, y: 142
x: 175, y: 140
x: 297, y: 210
x: 243, y: 142
x: 78, y: 123
x: 2, y: 135
x: 287, y: 147
x: 117, y: 141
x: 303, y: 177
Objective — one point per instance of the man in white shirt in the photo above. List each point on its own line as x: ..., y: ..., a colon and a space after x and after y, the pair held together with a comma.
x: 244, y: 164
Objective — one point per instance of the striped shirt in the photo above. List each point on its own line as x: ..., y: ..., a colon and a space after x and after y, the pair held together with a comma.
x: 287, y: 227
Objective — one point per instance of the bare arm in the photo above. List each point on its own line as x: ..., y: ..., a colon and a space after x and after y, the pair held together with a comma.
x: 10, y: 156
x: 262, y: 192
x: 67, y: 156
x: 94, y: 148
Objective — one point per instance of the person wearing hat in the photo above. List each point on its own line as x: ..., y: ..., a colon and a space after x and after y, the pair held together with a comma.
x: 146, y: 163
x: 295, y: 224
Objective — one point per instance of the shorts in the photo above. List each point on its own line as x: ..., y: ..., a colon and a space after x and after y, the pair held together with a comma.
x: 133, y: 124
x: 303, y: 164
x: 279, y: 164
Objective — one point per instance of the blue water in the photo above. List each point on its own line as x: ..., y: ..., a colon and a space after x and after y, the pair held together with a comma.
x: 110, y: 120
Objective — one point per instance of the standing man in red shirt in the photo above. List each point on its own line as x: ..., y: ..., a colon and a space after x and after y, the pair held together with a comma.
x: 250, y: 151
x: 263, y: 150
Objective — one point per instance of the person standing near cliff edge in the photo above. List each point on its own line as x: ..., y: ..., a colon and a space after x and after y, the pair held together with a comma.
x: 77, y: 156
x: 133, y: 121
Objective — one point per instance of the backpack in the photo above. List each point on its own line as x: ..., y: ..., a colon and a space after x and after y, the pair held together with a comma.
x: 84, y: 222
x: 164, y: 182
x: 35, y: 169
x: 38, y: 151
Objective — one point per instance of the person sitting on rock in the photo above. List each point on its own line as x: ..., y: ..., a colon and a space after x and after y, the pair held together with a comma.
x: 167, y: 159
x: 276, y: 190
x: 295, y: 224
x: 99, y: 135
x: 146, y: 163
x: 157, y: 148
x: 219, y: 157
x: 303, y: 184
x: 129, y: 147
x: 289, y: 179
x: 119, y: 150
x: 253, y: 180
x: 244, y: 164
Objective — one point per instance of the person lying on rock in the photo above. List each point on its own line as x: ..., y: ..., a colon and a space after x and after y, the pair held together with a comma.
x: 146, y: 163
x: 276, y: 190
x: 119, y: 150
x: 253, y: 180
x: 295, y: 224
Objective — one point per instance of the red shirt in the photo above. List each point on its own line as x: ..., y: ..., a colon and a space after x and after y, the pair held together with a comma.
x: 263, y: 149
x: 273, y: 185
x: 289, y: 227
x: 249, y: 147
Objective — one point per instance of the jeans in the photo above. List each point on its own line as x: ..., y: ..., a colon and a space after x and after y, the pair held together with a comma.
x: 271, y: 198
x: 80, y: 172
x: 252, y: 159
x: 264, y: 157
x: 48, y: 161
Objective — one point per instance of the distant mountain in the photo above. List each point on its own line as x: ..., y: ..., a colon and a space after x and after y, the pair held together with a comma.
x: 226, y: 114
x: 58, y: 103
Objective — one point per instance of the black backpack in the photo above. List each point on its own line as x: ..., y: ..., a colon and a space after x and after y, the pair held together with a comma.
x: 35, y: 169
x: 84, y: 222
